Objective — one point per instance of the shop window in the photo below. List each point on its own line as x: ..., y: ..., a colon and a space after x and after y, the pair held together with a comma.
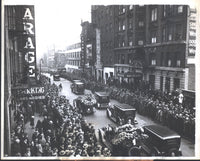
x: 167, y: 84
x: 161, y: 83
x: 176, y: 83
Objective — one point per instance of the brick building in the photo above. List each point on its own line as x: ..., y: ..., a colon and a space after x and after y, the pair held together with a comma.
x: 151, y: 43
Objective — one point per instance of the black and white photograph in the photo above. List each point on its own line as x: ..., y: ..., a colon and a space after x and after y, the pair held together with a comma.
x: 100, y: 79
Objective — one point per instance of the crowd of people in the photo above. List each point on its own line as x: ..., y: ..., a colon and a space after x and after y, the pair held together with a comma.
x: 62, y: 131
x: 165, y: 108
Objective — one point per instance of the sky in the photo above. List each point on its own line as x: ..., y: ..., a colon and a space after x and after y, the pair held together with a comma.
x: 57, y: 22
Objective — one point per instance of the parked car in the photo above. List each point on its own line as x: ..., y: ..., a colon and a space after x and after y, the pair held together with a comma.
x: 152, y: 140
x: 85, y: 104
x: 121, y: 114
x: 103, y: 99
x: 56, y: 77
x: 77, y: 87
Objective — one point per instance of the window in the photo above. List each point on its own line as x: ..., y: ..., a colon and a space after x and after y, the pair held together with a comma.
x: 141, y: 23
x: 180, y: 9
x: 169, y: 63
x: 154, y: 14
x: 164, y: 34
x: 153, y: 62
x: 119, y: 26
x: 178, y: 34
x: 130, y: 41
x: 130, y: 7
x: 170, y: 33
x: 123, y: 43
x: 176, y: 83
x: 123, y: 26
x: 140, y: 42
x: 178, y: 63
x: 153, y: 37
x: 130, y: 25
x: 161, y: 83
x: 164, y: 10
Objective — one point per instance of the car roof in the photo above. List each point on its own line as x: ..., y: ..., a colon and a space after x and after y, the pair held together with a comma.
x: 124, y: 107
x: 78, y: 82
x: 162, y: 132
x: 102, y: 93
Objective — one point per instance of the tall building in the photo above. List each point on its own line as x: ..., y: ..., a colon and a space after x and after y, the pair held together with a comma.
x: 148, y: 43
x: 20, y: 71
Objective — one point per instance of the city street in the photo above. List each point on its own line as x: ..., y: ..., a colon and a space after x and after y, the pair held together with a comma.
x: 99, y: 118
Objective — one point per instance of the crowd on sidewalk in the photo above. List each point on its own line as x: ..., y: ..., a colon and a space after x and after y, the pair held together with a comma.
x: 62, y: 132
x: 165, y: 108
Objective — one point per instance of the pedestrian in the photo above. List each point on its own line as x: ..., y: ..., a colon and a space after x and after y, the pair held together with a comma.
x: 32, y: 121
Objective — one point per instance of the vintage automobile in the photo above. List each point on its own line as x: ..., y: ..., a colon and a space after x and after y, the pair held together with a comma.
x: 162, y: 141
x: 85, y: 104
x: 152, y: 140
x: 121, y: 114
x: 77, y: 87
x: 56, y: 77
x: 103, y: 99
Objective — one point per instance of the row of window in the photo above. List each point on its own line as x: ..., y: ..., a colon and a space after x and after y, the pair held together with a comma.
x: 73, y: 55
x: 177, y: 63
x: 167, y: 10
x: 73, y: 62
x: 171, y: 32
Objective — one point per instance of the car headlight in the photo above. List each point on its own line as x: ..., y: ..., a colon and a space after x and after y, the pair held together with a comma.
x: 109, y: 104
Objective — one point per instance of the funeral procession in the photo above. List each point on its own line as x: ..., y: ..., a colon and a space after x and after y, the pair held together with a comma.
x: 122, y: 84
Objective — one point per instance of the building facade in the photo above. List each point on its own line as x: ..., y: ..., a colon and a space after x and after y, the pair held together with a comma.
x: 20, y: 71
x: 73, y: 57
x: 148, y: 43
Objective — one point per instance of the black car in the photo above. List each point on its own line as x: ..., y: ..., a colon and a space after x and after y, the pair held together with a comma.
x: 56, y: 77
x: 85, y: 104
x: 162, y: 141
x: 103, y: 99
x: 152, y: 140
x: 121, y: 114
x: 77, y: 87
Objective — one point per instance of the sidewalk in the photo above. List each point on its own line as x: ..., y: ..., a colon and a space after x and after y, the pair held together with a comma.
x: 28, y: 128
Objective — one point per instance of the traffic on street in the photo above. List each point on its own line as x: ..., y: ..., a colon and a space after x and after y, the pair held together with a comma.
x: 99, y: 118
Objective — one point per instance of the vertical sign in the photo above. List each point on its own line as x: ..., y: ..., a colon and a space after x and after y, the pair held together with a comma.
x: 98, y: 48
x: 192, y: 33
x: 82, y: 52
x: 28, y: 42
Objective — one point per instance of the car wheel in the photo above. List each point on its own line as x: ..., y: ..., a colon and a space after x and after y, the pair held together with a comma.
x: 119, y: 121
x: 172, y: 153
x: 107, y: 114
x: 100, y: 137
x: 134, y: 151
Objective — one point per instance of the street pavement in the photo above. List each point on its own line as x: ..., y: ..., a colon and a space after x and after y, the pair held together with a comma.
x: 99, y: 118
